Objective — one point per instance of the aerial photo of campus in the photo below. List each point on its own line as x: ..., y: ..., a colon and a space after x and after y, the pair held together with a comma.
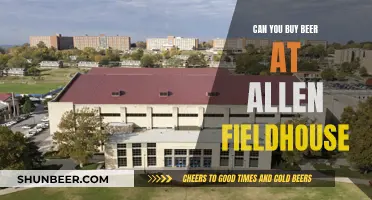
x: 154, y: 99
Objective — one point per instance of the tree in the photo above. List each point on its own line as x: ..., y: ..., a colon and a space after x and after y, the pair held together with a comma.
x: 360, y: 152
x: 137, y: 55
x: 41, y: 45
x: 295, y: 156
x: 17, y: 62
x: 80, y: 134
x: 2, y: 50
x: 363, y: 71
x: 249, y: 63
x: 308, y: 66
x: 328, y: 74
x: 196, y: 60
x: 147, y: 61
x: 141, y: 44
x: 17, y: 152
x: 4, y: 58
x: 27, y: 106
x: 33, y: 71
x: 175, y: 62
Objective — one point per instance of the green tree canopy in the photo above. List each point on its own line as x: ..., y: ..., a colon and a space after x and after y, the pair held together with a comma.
x: 147, y: 60
x: 141, y: 44
x: 328, y: 74
x: 17, y: 62
x: 17, y: 152
x: 359, y: 120
x: 363, y: 71
x: 80, y: 134
x: 196, y: 60
x: 137, y: 55
x: 27, y: 106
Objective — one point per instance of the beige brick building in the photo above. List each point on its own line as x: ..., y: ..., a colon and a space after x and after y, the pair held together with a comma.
x: 170, y: 42
x: 57, y: 41
x: 100, y: 42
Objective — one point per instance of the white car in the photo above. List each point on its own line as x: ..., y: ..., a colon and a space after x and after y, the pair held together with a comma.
x: 45, y: 119
x: 26, y: 127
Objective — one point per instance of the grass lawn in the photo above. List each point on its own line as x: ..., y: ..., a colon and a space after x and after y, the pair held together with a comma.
x: 340, y: 192
x: 50, y: 79
x: 344, y: 171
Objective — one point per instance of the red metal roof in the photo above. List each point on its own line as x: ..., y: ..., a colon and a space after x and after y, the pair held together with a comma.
x: 187, y: 88
x: 5, y: 96
x: 368, y: 82
x: 147, y: 71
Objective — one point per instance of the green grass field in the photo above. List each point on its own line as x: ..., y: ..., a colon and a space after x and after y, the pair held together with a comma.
x: 49, y: 80
x: 342, y: 191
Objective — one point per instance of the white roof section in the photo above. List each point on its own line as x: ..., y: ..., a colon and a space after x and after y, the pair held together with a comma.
x: 177, y: 136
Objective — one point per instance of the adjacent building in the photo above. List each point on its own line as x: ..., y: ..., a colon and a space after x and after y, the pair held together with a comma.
x: 51, y: 64
x: 88, y: 64
x: 102, y: 42
x: 130, y: 63
x: 172, y: 42
x: 352, y: 54
x: 56, y: 41
x: 9, y: 106
x: 14, y: 72
x: 166, y: 111
x: 239, y: 44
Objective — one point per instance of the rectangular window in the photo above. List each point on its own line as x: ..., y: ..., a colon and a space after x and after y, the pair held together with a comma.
x: 224, y: 157
x: 136, y: 114
x: 253, y: 158
x: 162, y: 115
x: 239, y: 157
x: 239, y: 115
x: 213, y: 115
x: 137, y: 154
x: 110, y: 114
x: 121, y: 146
x: 180, y: 161
x: 207, y: 162
x: 180, y: 152
x: 265, y: 115
x: 195, y: 152
x: 168, y: 152
x: 195, y: 162
x: 137, y: 161
x: 207, y: 152
x: 288, y: 115
x: 122, y: 162
x: 151, y: 161
x: 151, y: 154
x: 168, y: 162
x: 122, y: 152
x: 187, y: 115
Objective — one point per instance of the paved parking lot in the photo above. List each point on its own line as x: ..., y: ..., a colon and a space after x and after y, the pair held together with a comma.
x: 42, y: 139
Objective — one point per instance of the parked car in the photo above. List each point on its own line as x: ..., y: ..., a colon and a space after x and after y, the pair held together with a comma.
x: 45, y: 119
x: 26, y: 127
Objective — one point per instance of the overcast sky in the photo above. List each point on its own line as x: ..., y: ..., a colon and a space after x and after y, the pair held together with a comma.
x: 339, y: 20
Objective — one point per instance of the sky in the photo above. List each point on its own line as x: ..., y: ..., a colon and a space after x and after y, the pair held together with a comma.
x: 340, y: 20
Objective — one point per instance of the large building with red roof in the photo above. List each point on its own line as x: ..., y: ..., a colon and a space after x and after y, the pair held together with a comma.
x: 172, y: 107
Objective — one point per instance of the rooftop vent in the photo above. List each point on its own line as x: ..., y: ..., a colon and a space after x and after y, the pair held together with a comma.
x: 164, y: 94
x: 117, y: 93
x: 213, y: 94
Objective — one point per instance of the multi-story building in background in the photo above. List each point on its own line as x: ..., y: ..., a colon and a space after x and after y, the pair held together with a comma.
x: 231, y: 44
x: 100, y: 42
x: 352, y: 54
x: 258, y: 43
x: 170, y: 42
x: 317, y: 42
x: 239, y: 44
x: 57, y: 41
